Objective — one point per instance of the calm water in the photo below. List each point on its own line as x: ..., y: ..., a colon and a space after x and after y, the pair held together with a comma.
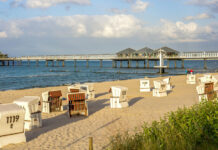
x: 21, y: 77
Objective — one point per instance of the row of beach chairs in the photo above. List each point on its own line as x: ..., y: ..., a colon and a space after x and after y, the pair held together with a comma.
x: 161, y: 87
x: 207, y: 87
x: 25, y: 113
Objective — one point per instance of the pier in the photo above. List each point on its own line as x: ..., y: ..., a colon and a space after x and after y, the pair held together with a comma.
x: 55, y: 60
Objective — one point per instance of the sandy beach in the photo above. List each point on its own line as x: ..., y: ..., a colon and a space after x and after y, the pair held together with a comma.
x: 61, y: 132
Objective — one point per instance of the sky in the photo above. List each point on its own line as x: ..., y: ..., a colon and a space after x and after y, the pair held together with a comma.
x: 67, y: 27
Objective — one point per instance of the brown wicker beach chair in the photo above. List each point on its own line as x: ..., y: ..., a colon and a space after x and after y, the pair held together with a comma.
x: 54, y: 100
x: 209, y: 90
x: 77, y: 104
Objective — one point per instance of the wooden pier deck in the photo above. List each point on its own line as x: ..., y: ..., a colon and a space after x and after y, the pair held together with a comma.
x: 114, y: 58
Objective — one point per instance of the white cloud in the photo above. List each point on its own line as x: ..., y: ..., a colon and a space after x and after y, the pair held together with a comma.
x: 116, y: 26
x: 3, y: 0
x: 198, y: 17
x: 139, y: 6
x: 3, y: 35
x: 107, y: 27
x: 181, y: 32
x: 46, y: 3
x: 211, y: 4
x: 118, y: 11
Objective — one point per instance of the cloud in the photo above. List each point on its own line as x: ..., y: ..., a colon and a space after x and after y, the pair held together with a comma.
x: 129, y: 1
x: 181, y: 32
x: 118, y: 11
x: 198, y: 17
x: 139, y: 6
x: 3, y: 35
x: 210, y: 4
x: 118, y: 27
x: 46, y: 3
x: 3, y: 0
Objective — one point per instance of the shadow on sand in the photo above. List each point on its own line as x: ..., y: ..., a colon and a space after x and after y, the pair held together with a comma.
x: 134, y: 100
x: 63, y: 119
x: 101, y: 94
x: 97, y: 105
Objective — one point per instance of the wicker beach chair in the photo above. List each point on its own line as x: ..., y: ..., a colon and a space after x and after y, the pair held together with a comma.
x: 88, y: 88
x: 77, y: 104
x: 74, y: 88
x: 119, y: 97
x: 206, y: 91
x: 191, y: 79
x: 145, y: 85
x: 160, y: 88
x: 51, y: 101
x: 167, y: 82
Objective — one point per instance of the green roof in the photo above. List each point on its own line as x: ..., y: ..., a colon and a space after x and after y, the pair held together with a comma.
x: 127, y: 51
x: 144, y: 50
x: 167, y: 49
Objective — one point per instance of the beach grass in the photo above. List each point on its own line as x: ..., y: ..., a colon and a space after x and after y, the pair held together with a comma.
x: 185, y: 129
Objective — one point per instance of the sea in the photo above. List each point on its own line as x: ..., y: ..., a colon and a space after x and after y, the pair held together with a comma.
x: 31, y: 76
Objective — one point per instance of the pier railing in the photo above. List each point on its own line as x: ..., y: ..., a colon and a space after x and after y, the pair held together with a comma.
x: 69, y: 57
x: 182, y: 55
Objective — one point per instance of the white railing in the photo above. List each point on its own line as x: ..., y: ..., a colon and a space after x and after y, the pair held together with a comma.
x: 185, y: 55
x: 199, y: 54
x: 69, y: 57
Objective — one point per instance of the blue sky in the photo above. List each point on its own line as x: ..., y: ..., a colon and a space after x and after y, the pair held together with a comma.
x: 54, y: 27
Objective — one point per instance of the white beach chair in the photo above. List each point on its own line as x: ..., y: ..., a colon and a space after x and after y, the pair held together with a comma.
x: 73, y: 88
x: 145, y: 85
x: 11, y: 124
x: 88, y: 88
x: 206, y: 91
x: 33, y: 117
x: 45, y: 103
x: 119, y: 97
x: 215, y: 82
x: 159, y: 89
x: 205, y: 79
x: 191, y: 79
x: 168, y: 85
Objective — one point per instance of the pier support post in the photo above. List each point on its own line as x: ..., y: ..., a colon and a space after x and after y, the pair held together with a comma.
x: 162, y: 70
x: 13, y: 62
x: 147, y: 63
x: 115, y: 63
x: 155, y: 63
x: 121, y: 64
x: 182, y: 63
x: 37, y: 63
x: 8, y: 63
x: 87, y: 63
x: 28, y: 62
x: 3, y: 63
x: 205, y: 64
x: 175, y: 63
x: 100, y: 63
x: 46, y: 63
x: 137, y: 64
x: 52, y: 61
x: 75, y: 63
x: 57, y: 63
x: 144, y: 63
x: 129, y: 63
x: 168, y: 63
x: 62, y: 63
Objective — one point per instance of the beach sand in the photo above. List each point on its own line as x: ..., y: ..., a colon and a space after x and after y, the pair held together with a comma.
x: 61, y: 132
